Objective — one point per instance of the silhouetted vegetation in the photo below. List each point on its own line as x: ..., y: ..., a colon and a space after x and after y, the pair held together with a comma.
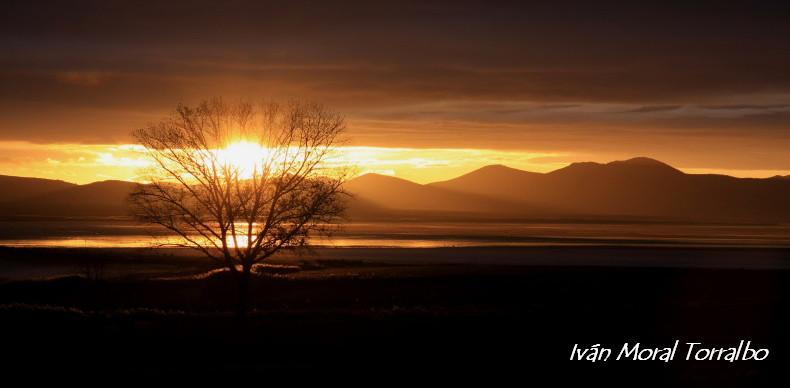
x: 356, y: 319
x: 239, y: 210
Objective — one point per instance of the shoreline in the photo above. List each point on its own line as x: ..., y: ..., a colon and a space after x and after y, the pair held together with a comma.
x: 19, y: 263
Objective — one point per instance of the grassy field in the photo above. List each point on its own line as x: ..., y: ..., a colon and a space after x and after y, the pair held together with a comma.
x: 400, y: 319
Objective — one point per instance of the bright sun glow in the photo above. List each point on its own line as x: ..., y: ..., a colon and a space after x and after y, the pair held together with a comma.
x: 244, y: 156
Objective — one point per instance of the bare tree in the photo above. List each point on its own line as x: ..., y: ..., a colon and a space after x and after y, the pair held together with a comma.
x: 238, y: 181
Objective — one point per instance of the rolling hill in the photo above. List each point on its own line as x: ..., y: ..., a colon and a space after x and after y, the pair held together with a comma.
x: 16, y: 188
x: 399, y: 194
x: 634, y: 188
x: 639, y: 187
x: 107, y: 198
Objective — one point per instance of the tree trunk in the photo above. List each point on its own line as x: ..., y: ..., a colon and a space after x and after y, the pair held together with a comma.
x: 244, y: 290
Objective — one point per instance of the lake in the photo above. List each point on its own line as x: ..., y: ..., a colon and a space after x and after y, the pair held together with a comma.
x: 125, y: 233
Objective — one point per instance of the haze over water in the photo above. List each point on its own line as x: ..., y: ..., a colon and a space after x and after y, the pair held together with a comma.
x: 115, y: 233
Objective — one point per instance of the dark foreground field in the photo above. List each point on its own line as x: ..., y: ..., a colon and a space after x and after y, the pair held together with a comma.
x: 357, y: 320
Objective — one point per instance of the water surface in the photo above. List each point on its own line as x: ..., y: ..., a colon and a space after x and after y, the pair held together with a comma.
x: 124, y: 233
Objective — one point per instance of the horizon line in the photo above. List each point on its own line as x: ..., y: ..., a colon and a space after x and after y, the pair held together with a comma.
x: 685, y: 171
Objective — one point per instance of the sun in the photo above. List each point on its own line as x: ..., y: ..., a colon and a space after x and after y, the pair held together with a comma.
x: 245, y: 157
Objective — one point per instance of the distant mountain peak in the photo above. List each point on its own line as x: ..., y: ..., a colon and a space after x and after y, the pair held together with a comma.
x: 584, y: 164
x: 487, y: 175
x: 372, y: 176
x: 633, y: 163
x: 17, y: 188
x: 30, y: 179
x: 110, y: 182
x: 577, y: 167
x: 495, y: 167
x: 378, y: 179
x: 641, y: 161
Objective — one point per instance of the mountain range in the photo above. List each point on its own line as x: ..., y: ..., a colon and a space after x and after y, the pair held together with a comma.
x: 641, y: 188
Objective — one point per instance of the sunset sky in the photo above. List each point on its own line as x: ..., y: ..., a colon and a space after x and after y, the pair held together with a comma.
x: 430, y: 90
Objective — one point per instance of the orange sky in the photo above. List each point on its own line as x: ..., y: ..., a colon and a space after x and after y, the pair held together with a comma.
x: 431, y: 89
x: 81, y: 163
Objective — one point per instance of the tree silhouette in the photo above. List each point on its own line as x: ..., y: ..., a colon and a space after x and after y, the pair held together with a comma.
x: 240, y: 206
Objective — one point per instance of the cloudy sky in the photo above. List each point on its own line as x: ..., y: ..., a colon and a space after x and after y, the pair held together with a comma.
x: 429, y: 89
